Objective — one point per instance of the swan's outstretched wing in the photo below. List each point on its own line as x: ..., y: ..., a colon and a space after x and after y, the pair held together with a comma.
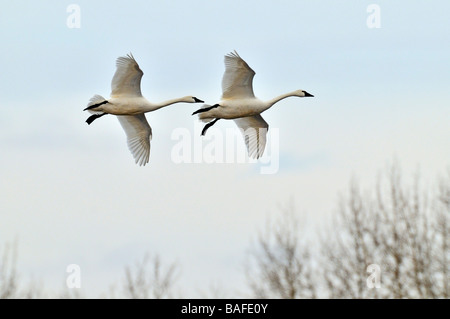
x: 139, y: 134
x: 127, y: 79
x: 237, y: 81
x: 254, y: 129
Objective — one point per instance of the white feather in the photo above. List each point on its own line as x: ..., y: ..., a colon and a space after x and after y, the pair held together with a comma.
x: 240, y: 104
x: 128, y: 104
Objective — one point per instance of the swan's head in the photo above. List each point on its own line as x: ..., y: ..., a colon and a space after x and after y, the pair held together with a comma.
x: 302, y: 93
x: 193, y: 99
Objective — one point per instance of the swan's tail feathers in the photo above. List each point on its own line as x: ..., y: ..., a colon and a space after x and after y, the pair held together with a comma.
x: 205, y: 118
x: 94, y: 102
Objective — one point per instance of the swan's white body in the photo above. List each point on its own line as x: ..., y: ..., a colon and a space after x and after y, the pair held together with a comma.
x: 129, y: 105
x: 239, y: 103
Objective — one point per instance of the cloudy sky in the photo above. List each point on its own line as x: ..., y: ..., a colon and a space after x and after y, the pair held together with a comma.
x: 71, y: 193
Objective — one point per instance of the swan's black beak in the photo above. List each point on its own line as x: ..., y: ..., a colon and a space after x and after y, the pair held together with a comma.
x: 307, y: 94
x: 197, y: 100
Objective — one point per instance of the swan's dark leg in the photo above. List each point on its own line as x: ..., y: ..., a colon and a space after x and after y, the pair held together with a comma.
x: 206, y: 109
x: 93, y: 117
x: 90, y: 107
x: 207, y: 126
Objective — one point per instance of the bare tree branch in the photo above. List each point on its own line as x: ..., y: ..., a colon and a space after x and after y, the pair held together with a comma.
x: 280, y: 264
x: 8, y: 274
x: 149, y: 279
x: 403, y: 230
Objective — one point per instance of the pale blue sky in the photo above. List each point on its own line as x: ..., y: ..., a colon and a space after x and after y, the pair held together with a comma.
x: 71, y: 193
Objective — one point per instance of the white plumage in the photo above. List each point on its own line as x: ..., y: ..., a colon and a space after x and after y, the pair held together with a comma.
x: 128, y: 104
x: 239, y: 103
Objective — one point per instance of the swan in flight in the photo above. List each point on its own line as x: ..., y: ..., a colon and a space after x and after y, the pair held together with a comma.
x: 128, y: 104
x: 240, y: 104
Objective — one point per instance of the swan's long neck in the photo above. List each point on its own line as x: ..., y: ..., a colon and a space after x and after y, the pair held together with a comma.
x: 155, y: 106
x: 271, y: 102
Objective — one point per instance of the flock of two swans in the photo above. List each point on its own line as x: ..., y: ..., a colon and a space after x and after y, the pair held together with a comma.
x: 238, y: 103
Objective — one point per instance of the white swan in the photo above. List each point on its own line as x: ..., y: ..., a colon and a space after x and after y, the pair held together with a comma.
x: 129, y: 105
x: 239, y: 103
